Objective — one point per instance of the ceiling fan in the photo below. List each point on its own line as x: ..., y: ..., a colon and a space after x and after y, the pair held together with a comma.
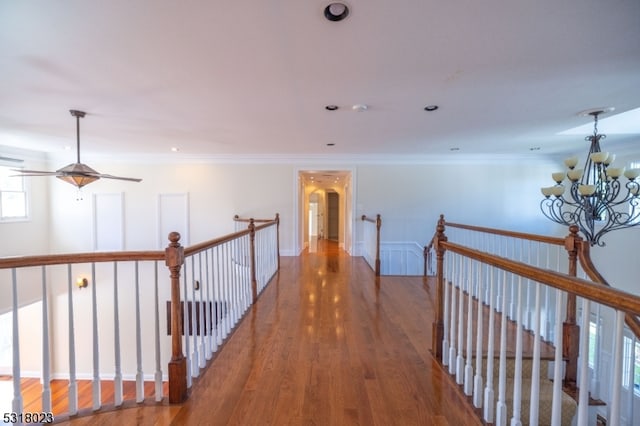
x: 77, y: 174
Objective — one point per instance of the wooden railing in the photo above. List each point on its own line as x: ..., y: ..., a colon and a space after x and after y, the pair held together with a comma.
x: 498, y: 273
x: 207, y: 290
x: 372, y: 244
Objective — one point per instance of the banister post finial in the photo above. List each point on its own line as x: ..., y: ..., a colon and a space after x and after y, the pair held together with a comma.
x: 174, y: 258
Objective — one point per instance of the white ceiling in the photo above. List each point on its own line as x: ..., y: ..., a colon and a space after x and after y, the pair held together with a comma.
x: 251, y: 78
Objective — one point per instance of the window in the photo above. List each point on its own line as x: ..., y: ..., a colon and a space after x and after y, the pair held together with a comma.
x: 13, y: 195
x: 593, y: 341
x: 633, y: 210
x: 631, y: 364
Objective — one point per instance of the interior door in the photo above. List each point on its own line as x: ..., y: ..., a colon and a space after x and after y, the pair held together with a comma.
x: 333, y: 215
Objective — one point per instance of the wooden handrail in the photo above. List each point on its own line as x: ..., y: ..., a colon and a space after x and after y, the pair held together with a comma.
x: 66, y: 258
x: 583, y: 256
x: 614, y: 298
x: 513, y: 234
x: 237, y: 218
x: 378, y: 223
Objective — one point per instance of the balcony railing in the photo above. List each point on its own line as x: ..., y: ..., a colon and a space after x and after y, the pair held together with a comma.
x: 487, y: 279
x: 116, y: 316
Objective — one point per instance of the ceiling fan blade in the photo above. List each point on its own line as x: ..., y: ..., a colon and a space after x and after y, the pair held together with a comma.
x: 23, y: 172
x: 117, y: 177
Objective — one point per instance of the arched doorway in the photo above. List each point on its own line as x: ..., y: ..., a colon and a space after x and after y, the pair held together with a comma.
x: 324, y: 200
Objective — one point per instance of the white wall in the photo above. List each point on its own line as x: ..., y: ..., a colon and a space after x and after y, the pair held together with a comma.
x: 216, y: 193
x: 410, y: 198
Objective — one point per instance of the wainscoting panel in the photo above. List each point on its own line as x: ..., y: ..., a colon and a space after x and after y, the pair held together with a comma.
x: 401, y: 258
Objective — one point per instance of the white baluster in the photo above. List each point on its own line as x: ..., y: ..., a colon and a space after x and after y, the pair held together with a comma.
x: 517, y: 382
x: 139, y: 374
x: 468, y: 370
x: 96, y: 391
x: 445, y: 285
x: 230, y: 277
x: 535, y: 371
x: 73, y: 384
x: 616, y: 382
x: 208, y: 317
x: 453, y: 326
x: 46, y: 359
x: 477, y: 383
x: 219, y: 298
x: 185, y: 327
x: 16, y: 402
x: 195, y: 361
x: 158, y: 374
x: 583, y: 403
x: 501, y: 406
x: 460, y: 358
x: 556, y: 405
x: 547, y: 302
x: 488, y: 390
x: 202, y: 319
x: 595, y: 379
x: 500, y: 295
x: 214, y: 303
x: 117, y: 380
x: 512, y: 292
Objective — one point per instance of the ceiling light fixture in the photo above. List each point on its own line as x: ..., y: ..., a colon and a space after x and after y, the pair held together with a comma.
x: 77, y: 174
x: 431, y: 108
x: 336, y: 12
x: 597, y: 201
x: 331, y: 107
x: 360, y: 107
x: 331, y: 144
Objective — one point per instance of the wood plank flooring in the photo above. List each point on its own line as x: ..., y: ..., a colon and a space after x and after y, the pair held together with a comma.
x: 327, y: 343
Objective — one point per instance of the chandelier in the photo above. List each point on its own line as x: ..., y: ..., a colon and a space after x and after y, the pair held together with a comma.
x: 597, y: 201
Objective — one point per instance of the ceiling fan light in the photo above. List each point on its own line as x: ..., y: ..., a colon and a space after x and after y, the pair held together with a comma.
x: 78, y: 180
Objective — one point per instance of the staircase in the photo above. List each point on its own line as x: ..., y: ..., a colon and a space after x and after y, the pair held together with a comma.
x: 569, y: 405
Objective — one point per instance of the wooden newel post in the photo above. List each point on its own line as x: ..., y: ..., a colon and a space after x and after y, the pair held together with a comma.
x: 252, y: 239
x: 174, y: 258
x: 278, y: 237
x: 378, y: 226
x: 570, y: 328
x: 438, y: 324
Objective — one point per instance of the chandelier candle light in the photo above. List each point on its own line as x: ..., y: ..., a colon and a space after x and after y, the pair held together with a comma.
x: 597, y: 201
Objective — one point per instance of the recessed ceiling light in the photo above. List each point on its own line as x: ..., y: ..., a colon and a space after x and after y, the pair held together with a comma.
x: 360, y: 107
x: 431, y: 108
x: 336, y: 12
x: 455, y: 149
x: 331, y: 144
x: 175, y: 149
x: 534, y: 148
x: 331, y: 107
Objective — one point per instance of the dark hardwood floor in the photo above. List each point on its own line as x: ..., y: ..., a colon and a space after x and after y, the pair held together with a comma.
x: 327, y: 343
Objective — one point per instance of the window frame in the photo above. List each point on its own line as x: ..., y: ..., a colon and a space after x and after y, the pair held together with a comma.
x: 25, y: 189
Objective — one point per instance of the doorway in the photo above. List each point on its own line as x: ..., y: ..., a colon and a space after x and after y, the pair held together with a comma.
x: 324, y: 200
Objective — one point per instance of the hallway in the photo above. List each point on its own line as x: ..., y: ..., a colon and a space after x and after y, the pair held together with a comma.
x: 325, y: 345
